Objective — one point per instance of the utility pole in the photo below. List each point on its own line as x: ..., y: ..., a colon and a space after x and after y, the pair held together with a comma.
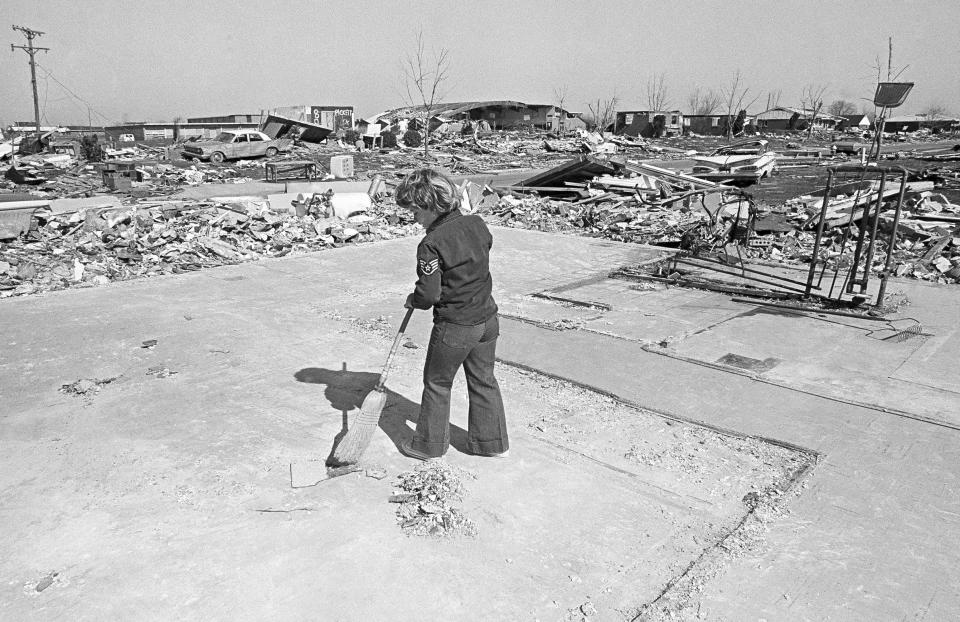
x: 29, y: 49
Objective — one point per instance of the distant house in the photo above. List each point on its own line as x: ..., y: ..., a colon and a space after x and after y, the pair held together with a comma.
x: 788, y: 118
x: 499, y: 114
x: 709, y: 124
x: 643, y: 122
x: 229, y: 118
x: 914, y: 122
x: 858, y: 121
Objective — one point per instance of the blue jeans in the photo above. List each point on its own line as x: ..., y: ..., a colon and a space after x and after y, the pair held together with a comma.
x: 473, y: 347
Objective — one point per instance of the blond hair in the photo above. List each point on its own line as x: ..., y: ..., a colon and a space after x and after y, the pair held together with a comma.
x: 428, y: 189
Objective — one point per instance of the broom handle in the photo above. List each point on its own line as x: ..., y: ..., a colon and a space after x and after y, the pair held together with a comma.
x: 393, y: 350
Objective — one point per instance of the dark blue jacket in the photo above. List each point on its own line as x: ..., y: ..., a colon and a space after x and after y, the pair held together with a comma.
x: 453, y: 270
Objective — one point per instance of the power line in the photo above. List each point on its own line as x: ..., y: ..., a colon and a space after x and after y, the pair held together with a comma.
x: 68, y: 90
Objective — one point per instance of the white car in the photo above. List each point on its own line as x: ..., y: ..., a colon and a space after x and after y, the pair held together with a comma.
x: 747, y: 161
x: 237, y: 145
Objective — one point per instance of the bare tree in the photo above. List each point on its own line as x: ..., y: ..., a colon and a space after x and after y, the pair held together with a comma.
x: 812, y: 100
x: 773, y: 99
x: 560, y: 95
x: 603, y: 112
x: 657, y: 93
x: 425, y: 75
x: 704, y: 102
x: 840, y: 107
x: 735, y: 96
x: 935, y: 110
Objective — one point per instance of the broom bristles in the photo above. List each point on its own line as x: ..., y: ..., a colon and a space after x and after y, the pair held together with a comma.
x: 350, y: 449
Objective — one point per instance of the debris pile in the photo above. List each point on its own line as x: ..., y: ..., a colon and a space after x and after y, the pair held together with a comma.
x: 96, y: 246
x: 425, y: 496
x: 634, y: 202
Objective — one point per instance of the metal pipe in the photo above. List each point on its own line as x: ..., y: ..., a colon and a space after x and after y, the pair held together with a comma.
x: 705, y: 285
x: 808, y: 310
x: 893, y: 240
x: 816, y: 242
x: 873, y: 232
x: 744, y: 269
x: 789, y: 289
x: 843, y: 246
x: 860, y: 236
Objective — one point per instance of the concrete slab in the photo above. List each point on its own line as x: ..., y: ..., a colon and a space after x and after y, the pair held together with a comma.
x: 169, y: 495
x: 173, y: 470
x: 868, y: 526
x: 845, y: 358
x: 828, y: 355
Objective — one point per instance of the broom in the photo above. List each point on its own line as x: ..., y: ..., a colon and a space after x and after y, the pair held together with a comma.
x: 355, y: 441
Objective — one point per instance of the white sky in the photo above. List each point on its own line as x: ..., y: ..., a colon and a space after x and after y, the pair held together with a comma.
x: 155, y: 60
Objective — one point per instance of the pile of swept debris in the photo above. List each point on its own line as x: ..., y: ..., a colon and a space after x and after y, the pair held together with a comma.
x: 425, y: 497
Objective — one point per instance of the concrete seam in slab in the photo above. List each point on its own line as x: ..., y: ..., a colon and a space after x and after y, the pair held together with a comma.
x: 647, y: 346
x: 666, y: 491
x: 716, y: 551
x: 665, y: 413
x: 590, y: 304
x: 595, y: 278
x: 589, y: 280
x: 758, y: 378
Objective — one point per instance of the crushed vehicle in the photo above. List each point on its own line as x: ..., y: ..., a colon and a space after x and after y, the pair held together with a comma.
x: 237, y: 145
x: 745, y: 161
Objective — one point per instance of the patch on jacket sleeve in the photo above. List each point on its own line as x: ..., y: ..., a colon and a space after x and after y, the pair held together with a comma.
x: 429, y: 267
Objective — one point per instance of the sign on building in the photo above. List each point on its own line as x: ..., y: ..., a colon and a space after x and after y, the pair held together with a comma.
x: 337, y: 119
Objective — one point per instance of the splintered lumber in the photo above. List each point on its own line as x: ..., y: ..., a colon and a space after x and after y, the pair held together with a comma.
x: 675, y: 177
x: 581, y: 169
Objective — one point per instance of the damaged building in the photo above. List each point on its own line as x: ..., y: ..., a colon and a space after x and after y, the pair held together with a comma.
x: 498, y: 115
x: 649, y: 123
x: 309, y: 123
x: 783, y: 118
x: 711, y: 124
x: 145, y: 131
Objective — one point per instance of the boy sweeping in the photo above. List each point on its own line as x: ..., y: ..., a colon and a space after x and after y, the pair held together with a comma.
x: 453, y: 278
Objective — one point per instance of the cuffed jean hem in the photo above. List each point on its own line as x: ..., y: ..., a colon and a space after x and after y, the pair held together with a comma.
x: 434, y: 450
x: 487, y: 447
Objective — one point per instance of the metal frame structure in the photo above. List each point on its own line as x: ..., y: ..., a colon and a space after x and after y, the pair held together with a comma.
x: 857, y: 278
x: 883, y: 173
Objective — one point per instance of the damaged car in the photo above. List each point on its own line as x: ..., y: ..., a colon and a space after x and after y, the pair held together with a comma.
x: 237, y: 145
x: 747, y: 162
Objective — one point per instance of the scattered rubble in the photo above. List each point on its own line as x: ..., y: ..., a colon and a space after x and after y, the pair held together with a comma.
x: 425, y: 496
x: 86, y: 387
x: 644, y: 205
x: 96, y: 246
x: 127, y: 217
x: 161, y: 372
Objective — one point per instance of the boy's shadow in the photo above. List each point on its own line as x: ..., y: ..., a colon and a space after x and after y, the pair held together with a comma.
x: 345, y: 391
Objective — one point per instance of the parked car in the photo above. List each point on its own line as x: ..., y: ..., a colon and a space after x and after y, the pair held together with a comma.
x: 127, y: 138
x: 746, y: 161
x: 236, y: 145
